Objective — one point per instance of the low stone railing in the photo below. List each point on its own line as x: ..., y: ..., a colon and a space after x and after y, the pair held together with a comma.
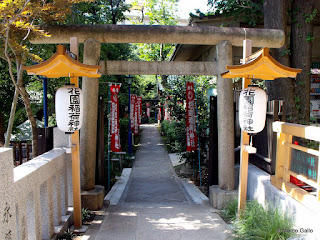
x: 35, y: 195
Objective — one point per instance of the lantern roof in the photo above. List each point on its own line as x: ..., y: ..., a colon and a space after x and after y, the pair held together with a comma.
x: 261, y: 65
x: 63, y: 64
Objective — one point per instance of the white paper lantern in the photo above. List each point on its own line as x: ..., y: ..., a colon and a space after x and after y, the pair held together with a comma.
x: 69, y: 108
x: 252, y: 109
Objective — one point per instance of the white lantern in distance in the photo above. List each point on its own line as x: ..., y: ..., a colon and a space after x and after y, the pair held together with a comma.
x: 69, y: 108
x: 252, y: 109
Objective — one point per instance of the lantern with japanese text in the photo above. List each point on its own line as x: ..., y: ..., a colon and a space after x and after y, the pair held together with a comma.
x: 252, y: 109
x: 69, y: 108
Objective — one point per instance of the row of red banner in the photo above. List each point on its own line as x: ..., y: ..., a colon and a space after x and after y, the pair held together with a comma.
x: 135, y: 117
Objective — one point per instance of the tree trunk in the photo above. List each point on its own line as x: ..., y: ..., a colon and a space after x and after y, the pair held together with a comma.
x: 276, y: 17
x: 301, y: 53
x: 11, y: 118
x: 164, y: 78
x: 27, y: 105
x: 32, y: 119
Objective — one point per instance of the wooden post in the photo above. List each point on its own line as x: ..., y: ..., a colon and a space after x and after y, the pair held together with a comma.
x: 318, y: 178
x: 28, y: 155
x: 75, y: 141
x: 287, y: 163
x: 280, y: 156
x: 20, y: 152
x: 244, y: 155
x: 213, y: 144
x: 101, y: 143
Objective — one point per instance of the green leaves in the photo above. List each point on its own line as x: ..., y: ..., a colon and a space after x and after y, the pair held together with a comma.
x: 249, y: 12
x: 98, y: 12
x: 310, y: 18
x: 161, y: 12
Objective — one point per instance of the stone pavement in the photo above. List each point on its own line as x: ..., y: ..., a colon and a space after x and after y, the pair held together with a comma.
x: 155, y: 204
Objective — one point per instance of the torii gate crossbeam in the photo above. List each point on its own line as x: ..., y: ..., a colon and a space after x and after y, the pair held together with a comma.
x: 198, y: 35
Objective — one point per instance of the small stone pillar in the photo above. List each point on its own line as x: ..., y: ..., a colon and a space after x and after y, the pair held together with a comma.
x: 225, y: 118
x: 7, y: 200
x: 88, y: 132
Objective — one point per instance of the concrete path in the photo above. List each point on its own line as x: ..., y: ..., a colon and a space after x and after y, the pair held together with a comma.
x: 156, y: 205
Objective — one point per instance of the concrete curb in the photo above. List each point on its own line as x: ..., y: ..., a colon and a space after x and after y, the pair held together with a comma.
x: 194, y: 192
x: 114, y: 195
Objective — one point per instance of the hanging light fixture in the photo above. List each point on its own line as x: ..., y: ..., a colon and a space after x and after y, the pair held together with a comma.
x: 252, y: 109
x: 69, y: 108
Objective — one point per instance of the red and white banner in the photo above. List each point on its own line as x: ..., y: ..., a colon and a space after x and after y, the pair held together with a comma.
x: 159, y: 114
x: 148, y: 109
x: 132, y: 108
x: 115, y: 126
x: 136, y: 117
x: 139, y: 103
x: 166, y: 112
x: 191, y: 118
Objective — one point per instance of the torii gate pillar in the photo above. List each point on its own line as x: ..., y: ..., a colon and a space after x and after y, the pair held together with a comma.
x: 91, y: 196
x: 220, y: 194
x: 225, y: 119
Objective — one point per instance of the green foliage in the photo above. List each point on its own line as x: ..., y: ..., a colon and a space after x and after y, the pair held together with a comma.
x: 86, y: 214
x: 263, y: 223
x: 6, y: 90
x: 248, y: 12
x: 160, y: 13
x: 285, y: 52
x: 230, y: 210
x: 310, y: 18
x: 258, y: 222
x: 175, y: 135
x: 124, y: 128
x: 309, y: 38
x: 175, y: 132
x: 98, y: 12
x: 67, y: 235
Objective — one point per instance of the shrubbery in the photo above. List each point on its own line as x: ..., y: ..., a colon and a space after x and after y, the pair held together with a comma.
x: 258, y: 222
x: 175, y: 135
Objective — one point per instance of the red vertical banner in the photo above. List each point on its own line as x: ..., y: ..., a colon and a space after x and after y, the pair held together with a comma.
x: 136, y: 117
x: 191, y: 119
x: 132, y: 108
x: 166, y: 111
x: 159, y: 114
x: 115, y: 126
x: 148, y: 109
x: 139, y: 102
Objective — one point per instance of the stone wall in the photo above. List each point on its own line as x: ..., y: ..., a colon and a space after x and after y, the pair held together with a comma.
x: 35, y: 195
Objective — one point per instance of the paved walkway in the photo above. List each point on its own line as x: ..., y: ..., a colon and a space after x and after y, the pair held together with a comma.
x: 155, y: 204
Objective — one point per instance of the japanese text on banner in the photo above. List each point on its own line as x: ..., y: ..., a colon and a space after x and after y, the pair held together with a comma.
x: 132, y: 110
x: 190, y: 121
x: 115, y: 126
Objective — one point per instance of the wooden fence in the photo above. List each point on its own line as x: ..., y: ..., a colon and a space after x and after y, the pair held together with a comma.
x: 297, y: 161
x: 22, y: 150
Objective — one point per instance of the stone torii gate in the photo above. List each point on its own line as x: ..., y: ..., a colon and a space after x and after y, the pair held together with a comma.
x: 223, y: 37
